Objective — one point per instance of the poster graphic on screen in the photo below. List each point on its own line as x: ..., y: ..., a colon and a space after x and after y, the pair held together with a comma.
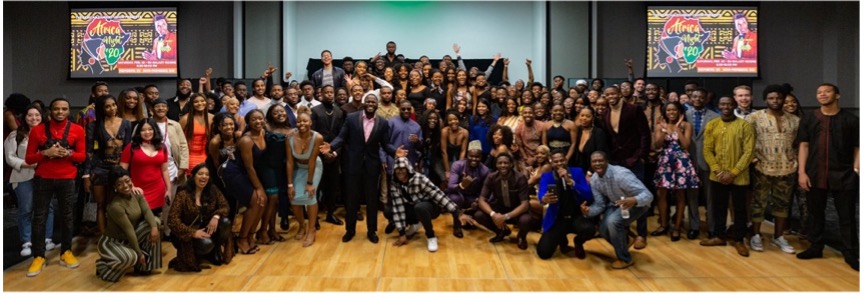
x: 131, y: 42
x: 702, y: 42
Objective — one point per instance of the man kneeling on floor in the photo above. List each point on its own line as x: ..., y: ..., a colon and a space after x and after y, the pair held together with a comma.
x: 423, y: 200
x: 616, y: 189
x: 564, y: 189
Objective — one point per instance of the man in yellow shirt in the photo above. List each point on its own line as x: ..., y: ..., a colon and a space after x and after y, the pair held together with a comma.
x: 728, y: 150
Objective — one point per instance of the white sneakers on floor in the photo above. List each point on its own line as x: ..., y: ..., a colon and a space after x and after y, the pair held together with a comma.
x: 784, y: 245
x: 25, y: 249
x: 49, y: 245
x: 756, y: 243
x: 780, y: 242
x: 432, y: 244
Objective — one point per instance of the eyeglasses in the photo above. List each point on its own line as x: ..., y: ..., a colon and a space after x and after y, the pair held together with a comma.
x: 405, y: 109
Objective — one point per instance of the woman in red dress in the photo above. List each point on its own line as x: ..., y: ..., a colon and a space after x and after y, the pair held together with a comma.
x: 147, y: 161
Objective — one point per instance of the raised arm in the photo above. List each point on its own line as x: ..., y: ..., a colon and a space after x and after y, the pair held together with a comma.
x: 505, y: 76
x: 491, y: 67
x: 530, y: 73
x: 460, y: 64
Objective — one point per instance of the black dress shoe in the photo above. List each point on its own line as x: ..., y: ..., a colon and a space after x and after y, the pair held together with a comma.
x: 499, y: 237
x: 692, y: 234
x: 284, y: 223
x: 359, y: 216
x: 676, y: 235
x: 390, y: 228
x: 580, y: 251
x: 372, y: 237
x: 660, y: 231
x: 522, y: 243
x: 347, y: 237
x: 457, y: 231
x: 810, y: 254
x: 333, y: 220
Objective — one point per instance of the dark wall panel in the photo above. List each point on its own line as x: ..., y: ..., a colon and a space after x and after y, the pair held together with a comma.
x: 36, y: 59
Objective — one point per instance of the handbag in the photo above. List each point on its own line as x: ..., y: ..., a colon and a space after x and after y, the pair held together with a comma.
x: 89, y: 214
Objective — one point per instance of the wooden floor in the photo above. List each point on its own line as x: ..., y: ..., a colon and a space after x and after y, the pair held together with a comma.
x: 468, y: 264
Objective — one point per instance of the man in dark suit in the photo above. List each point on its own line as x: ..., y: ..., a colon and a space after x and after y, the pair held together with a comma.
x: 699, y: 115
x: 630, y: 137
x: 363, y: 134
x: 327, y: 119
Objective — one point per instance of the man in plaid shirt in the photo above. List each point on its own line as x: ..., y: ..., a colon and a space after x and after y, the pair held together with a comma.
x: 416, y: 200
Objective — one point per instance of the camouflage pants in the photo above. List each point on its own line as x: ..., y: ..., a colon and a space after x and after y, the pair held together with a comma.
x: 774, y: 190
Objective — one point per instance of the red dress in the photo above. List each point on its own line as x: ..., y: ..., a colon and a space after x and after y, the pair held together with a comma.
x: 146, y: 172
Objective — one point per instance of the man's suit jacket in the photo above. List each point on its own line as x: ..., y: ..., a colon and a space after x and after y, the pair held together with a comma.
x: 632, y: 141
x: 327, y: 125
x: 697, y: 140
x: 361, y: 156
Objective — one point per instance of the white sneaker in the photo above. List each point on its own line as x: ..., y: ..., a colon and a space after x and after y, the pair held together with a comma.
x: 756, y: 243
x: 412, y: 230
x: 432, y: 244
x: 25, y: 249
x: 49, y: 245
x: 784, y: 246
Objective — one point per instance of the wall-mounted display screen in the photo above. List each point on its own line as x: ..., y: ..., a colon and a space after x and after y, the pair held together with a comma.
x: 128, y: 42
x: 702, y: 42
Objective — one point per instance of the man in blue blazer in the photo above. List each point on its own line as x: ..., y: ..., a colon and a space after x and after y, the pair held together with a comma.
x: 564, y: 214
x: 362, y: 134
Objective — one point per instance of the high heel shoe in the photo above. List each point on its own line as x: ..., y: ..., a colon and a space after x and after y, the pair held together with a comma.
x: 301, y: 233
x: 310, y: 239
x: 660, y: 231
x: 676, y: 235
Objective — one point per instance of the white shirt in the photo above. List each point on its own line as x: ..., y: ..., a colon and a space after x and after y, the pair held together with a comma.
x: 172, y: 167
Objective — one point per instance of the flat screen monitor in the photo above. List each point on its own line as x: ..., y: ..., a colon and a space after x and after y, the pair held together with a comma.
x: 703, y: 41
x: 123, y: 42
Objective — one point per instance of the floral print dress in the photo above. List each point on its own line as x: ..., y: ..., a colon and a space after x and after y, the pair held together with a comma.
x: 675, y: 169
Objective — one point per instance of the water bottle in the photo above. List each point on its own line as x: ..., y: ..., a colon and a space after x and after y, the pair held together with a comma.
x: 625, y: 213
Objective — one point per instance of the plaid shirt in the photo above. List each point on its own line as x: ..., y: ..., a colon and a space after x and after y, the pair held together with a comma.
x: 419, y: 188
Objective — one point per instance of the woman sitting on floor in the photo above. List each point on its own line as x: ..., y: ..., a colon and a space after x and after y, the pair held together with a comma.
x: 199, y: 224
x: 131, y: 234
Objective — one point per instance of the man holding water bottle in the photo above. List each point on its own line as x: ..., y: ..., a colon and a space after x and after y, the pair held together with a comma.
x: 622, y: 198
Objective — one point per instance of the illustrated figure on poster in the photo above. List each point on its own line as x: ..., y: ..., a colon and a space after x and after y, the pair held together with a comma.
x: 744, y: 46
x: 165, y: 43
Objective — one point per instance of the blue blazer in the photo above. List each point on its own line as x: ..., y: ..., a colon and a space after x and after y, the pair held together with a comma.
x: 362, y: 156
x: 582, y: 193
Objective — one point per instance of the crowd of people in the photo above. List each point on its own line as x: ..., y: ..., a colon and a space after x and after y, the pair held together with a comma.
x: 414, y: 140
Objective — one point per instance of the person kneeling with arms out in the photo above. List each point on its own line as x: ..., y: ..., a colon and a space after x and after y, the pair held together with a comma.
x: 564, y: 189
x: 622, y: 198
x: 416, y: 200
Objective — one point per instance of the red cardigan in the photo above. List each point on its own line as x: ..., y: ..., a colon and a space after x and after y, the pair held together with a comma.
x: 57, y: 168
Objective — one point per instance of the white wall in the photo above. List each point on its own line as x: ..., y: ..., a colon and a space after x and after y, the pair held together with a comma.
x: 362, y: 29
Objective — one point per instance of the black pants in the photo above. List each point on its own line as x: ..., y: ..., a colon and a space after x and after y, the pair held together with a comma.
x: 721, y: 194
x: 43, y: 191
x: 524, y: 221
x: 583, y: 227
x: 330, y: 186
x: 362, y: 186
x: 205, y: 246
x: 423, y: 213
x: 844, y: 202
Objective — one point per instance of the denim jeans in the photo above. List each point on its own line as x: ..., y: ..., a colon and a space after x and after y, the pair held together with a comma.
x: 24, y: 193
x: 46, y: 190
x: 615, y: 229
x: 638, y: 169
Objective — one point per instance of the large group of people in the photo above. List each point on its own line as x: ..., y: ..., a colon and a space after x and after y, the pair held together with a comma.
x: 415, y: 140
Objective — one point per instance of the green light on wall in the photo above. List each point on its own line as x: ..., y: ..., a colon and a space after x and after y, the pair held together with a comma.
x: 411, y: 6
